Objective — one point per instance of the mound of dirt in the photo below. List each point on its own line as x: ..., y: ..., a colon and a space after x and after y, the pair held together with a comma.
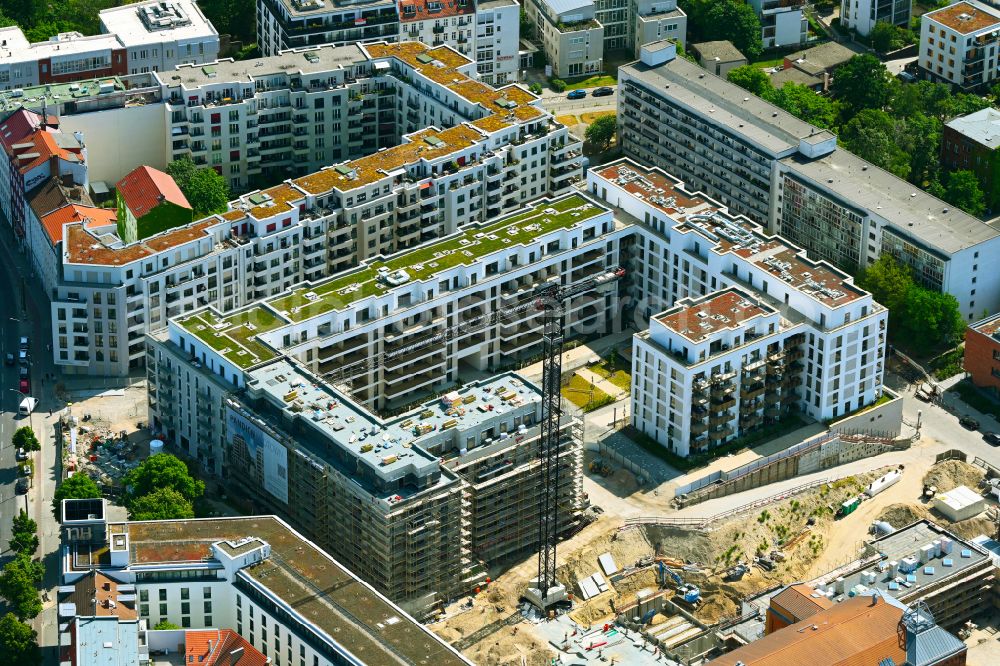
x: 901, y: 515
x: 953, y: 473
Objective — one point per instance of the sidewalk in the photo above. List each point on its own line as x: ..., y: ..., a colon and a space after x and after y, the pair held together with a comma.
x: 603, y: 384
x: 579, y: 357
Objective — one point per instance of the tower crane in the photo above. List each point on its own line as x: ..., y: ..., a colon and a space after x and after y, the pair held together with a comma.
x: 547, y: 298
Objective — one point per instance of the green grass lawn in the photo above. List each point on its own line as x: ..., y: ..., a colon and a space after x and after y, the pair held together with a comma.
x: 592, y: 82
x: 770, y: 62
x: 579, y: 391
x: 620, y: 378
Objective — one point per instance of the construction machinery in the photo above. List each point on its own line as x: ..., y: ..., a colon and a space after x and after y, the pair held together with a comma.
x: 691, y: 594
x: 548, y: 299
x: 736, y: 572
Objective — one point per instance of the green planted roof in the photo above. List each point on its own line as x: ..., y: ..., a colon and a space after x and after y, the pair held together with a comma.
x: 234, y: 336
x: 422, y: 262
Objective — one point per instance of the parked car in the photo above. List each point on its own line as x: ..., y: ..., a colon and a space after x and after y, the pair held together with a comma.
x: 22, y: 356
x: 23, y: 344
x: 576, y: 94
x: 21, y: 454
x: 22, y: 371
x: 26, y: 469
x: 8, y: 359
x: 24, y: 386
x: 992, y: 438
x: 603, y: 91
x: 969, y: 423
x: 21, y: 487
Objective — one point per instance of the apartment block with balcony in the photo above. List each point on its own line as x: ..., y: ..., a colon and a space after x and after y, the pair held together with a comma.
x: 140, y: 37
x: 654, y: 21
x: 293, y: 24
x: 743, y: 327
x: 783, y: 22
x: 248, y: 589
x: 862, y: 15
x: 790, y: 177
x: 570, y: 35
x: 439, y: 22
x: 498, y: 29
x: 959, y: 45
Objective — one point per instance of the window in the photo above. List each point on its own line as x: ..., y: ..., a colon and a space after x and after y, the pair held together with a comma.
x: 163, y: 595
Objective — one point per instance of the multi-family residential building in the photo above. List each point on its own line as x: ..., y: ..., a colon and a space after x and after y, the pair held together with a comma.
x: 255, y: 583
x: 782, y: 22
x: 970, y: 143
x: 790, y: 177
x: 958, y: 44
x: 439, y: 22
x: 982, y: 353
x: 743, y: 327
x: 141, y: 37
x: 499, y: 151
x: 862, y: 15
x: 575, y: 33
x: 293, y: 24
x: 498, y: 48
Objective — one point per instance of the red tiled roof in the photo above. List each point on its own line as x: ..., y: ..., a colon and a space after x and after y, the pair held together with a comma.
x: 143, y: 187
x: 856, y: 632
x: 96, y: 595
x: 18, y: 125
x: 38, y: 147
x: 214, y: 647
x: 429, y: 10
x: 90, y: 216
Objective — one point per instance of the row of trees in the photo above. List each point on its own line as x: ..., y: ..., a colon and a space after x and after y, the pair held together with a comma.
x: 19, y: 582
x: 893, y: 125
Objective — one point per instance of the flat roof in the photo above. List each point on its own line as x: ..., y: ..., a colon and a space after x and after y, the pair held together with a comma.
x: 394, y: 447
x: 909, y: 209
x: 965, y: 17
x: 420, y: 263
x: 288, y: 63
x: 988, y: 326
x: 58, y: 47
x: 725, y: 104
x: 430, y: 10
x: 307, y: 8
x: 314, y: 585
x: 187, y: 24
x: 105, y: 641
x: 84, y: 247
x: 738, y: 235
x: 235, y: 336
x: 59, y: 93
x: 983, y: 127
x: 699, y: 319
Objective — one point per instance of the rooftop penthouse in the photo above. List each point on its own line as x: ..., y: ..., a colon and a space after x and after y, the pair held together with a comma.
x: 410, y: 445
x: 235, y: 336
x: 693, y: 211
x: 701, y: 319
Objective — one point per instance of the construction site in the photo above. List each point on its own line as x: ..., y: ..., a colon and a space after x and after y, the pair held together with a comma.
x: 678, y: 587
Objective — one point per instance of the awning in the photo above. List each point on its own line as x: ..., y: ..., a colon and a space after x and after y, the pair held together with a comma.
x: 424, y: 186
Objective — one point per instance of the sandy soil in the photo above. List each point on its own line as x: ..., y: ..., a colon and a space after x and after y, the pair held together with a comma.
x: 953, y: 473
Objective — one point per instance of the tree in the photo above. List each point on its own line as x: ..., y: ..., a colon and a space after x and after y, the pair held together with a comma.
x: 18, y: 585
x: 873, y: 135
x: 737, y: 22
x: 161, y: 504
x: 889, y: 283
x: 205, y: 190
x: 24, y: 534
x: 527, y: 25
x: 922, y: 140
x: 78, y: 486
x: 24, y: 438
x: 805, y: 104
x: 931, y: 318
x: 887, y: 37
x: 601, y: 132
x: 752, y: 78
x: 165, y: 625
x: 18, y: 642
x: 162, y: 471
x: 963, y: 190
x: 862, y: 82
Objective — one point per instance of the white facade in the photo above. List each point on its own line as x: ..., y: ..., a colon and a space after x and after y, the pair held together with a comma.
x: 959, y: 44
x: 498, y: 26
x: 782, y: 23
x: 862, y: 15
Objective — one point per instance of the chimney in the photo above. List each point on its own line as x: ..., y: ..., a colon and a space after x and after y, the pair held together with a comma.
x: 209, y: 648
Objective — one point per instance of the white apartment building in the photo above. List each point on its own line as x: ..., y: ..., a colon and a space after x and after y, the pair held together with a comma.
x: 655, y: 20
x: 439, y: 22
x: 498, y: 29
x: 141, y: 37
x: 281, y: 592
x: 782, y: 22
x: 106, y: 294
x: 862, y: 15
x: 959, y: 45
x: 791, y: 178
x: 294, y: 24
x: 743, y: 327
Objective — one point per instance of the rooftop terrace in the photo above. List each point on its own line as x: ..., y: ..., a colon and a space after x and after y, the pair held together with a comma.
x: 989, y: 326
x: 84, y: 247
x: 737, y: 235
x: 701, y: 319
x: 55, y: 94
x: 965, y: 17
x: 324, y: 593
x: 235, y: 336
x: 462, y: 248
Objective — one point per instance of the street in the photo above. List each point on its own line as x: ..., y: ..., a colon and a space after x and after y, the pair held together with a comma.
x: 26, y: 312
